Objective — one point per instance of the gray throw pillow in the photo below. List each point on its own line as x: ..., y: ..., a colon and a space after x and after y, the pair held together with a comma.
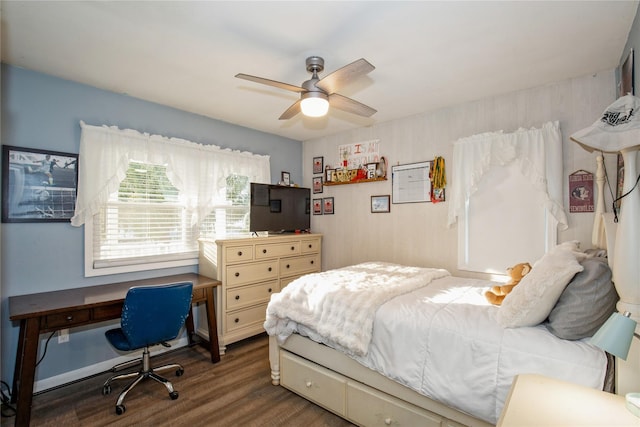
x: 586, y: 303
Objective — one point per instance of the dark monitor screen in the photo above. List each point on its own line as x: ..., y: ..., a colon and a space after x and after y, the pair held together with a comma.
x: 277, y: 208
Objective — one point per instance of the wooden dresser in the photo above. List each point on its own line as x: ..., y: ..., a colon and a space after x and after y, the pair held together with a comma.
x: 250, y: 270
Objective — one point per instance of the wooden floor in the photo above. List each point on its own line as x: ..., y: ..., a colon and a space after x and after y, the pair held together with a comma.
x: 237, y: 391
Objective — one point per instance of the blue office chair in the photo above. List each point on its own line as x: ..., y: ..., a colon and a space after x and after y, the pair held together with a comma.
x: 151, y: 315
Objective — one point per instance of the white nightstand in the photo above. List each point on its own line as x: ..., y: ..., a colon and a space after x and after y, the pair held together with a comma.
x: 538, y: 401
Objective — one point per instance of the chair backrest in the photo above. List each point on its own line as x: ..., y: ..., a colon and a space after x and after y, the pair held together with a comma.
x: 154, y: 314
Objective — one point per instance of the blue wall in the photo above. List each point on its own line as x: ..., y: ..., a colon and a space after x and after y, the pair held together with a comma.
x: 41, y: 111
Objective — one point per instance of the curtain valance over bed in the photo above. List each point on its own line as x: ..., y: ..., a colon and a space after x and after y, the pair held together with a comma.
x: 198, y: 171
x: 538, y: 153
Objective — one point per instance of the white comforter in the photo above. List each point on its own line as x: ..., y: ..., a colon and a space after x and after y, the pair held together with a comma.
x: 340, y: 304
x: 443, y: 341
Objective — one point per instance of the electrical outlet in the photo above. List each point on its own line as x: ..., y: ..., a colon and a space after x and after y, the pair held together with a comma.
x: 63, y: 336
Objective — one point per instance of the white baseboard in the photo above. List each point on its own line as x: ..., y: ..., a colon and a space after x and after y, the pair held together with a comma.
x: 87, y: 371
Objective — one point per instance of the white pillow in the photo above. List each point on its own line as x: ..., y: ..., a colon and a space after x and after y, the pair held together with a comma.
x: 532, y: 300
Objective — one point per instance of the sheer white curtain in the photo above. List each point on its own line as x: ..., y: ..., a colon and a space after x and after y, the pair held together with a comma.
x: 537, y: 152
x: 198, y: 171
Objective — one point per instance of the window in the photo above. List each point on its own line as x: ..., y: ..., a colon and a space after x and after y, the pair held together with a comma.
x: 142, y: 215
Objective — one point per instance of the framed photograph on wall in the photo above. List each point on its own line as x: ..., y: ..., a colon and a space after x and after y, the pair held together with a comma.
x: 318, y: 165
x: 38, y: 185
x: 317, y: 206
x: 327, y: 206
x: 317, y: 184
x: 380, y: 204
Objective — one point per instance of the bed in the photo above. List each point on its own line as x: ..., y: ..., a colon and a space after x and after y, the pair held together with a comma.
x: 387, y: 344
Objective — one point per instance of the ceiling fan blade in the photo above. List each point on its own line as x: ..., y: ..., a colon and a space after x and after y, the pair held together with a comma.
x: 280, y: 85
x: 350, y: 105
x: 334, y: 81
x: 291, y: 111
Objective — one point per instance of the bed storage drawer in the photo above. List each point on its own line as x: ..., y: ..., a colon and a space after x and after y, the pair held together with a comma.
x: 317, y: 384
x: 370, y: 407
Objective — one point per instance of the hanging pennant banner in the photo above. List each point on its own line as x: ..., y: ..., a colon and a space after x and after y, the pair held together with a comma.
x: 581, y: 192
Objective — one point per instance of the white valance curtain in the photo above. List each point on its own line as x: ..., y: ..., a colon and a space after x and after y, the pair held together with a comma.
x: 198, y: 171
x: 538, y: 153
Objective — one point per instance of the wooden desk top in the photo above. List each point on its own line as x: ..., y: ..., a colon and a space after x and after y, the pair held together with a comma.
x: 31, y: 305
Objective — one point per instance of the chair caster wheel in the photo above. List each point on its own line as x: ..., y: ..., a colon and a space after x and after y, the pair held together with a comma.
x: 179, y: 372
x: 106, y: 390
x: 120, y: 409
x: 173, y: 395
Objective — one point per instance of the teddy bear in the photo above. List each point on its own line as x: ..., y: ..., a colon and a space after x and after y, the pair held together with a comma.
x: 496, y: 294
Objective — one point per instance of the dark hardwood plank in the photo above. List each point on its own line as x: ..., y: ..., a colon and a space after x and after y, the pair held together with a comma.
x: 237, y: 391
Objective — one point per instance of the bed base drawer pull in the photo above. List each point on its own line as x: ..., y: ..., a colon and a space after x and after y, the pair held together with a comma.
x: 388, y: 421
x: 308, y: 384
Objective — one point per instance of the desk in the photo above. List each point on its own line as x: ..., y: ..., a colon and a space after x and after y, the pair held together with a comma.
x: 50, y: 311
x: 536, y: 401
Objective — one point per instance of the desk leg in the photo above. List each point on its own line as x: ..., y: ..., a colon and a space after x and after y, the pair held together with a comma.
x: 26, y: 369
x: 212, y: 323
x: 190, y: 327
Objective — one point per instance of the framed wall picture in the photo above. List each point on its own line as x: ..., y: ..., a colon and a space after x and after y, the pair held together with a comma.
x: 317, y: 206
x: 327, y: 206
x: 318, y: 164
x: 38, y: 185
x: 626, y: 76
x: 411, y: 183
x: 380, y: 204
x: 317, y: 184
x: 285, y: 178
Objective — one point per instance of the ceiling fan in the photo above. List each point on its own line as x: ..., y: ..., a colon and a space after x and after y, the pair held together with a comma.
x: 317, y: 94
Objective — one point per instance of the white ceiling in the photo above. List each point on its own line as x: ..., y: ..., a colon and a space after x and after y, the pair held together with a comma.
x: 428, y: 55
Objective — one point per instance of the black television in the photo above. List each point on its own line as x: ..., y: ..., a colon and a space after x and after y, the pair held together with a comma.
x: 279, y: 209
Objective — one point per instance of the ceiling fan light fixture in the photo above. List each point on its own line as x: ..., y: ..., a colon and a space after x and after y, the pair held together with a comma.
x: 314, y: 104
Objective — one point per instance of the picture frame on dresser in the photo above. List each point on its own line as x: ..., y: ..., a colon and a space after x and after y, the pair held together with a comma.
x: 38, y: 185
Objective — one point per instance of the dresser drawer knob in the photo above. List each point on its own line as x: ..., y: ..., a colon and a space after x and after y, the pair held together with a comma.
x: 287, y: 265
x: 239, y: 253
x: 293, y: 248
x: 270, y: 269
x: 237, y: 297
x: 311, y: 261
x: 310, y: 245
x: 264, y: 251
x: 269, y: 290
x: 237, y: 320
x: 237, y: 274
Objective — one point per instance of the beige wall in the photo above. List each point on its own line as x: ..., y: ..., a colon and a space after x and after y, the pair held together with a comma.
x: 417, y: 233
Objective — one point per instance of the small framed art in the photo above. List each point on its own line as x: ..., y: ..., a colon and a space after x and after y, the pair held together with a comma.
x: 380, y: 204
x: 327, y: 206
x: 38, y: 185
x: 318, y: 164
x: 317, y: 184
x: 285, y: 178
x: 317, y: 206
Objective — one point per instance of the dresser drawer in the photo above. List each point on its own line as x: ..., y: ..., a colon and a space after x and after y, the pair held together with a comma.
x: 271, y: 250
x: 239, y: 253
x: 299, y: 265
x: 243, y: 296
x: 243, y: 318
x: 310, y: 245
x: 369, y: 407
x: 241, y: 274
x: 319, y: 385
